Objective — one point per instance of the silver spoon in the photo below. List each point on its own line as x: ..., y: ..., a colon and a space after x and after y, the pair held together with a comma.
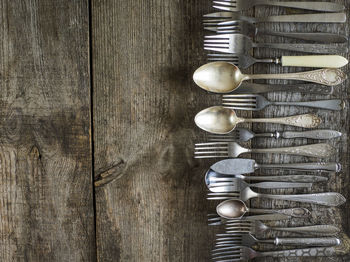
x: 236, y: 209
x: 221, y: 120
x: 226, y: 77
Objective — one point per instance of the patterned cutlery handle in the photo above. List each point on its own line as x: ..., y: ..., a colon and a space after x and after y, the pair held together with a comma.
x: 326, y: 230
x: 313, y: 134
x: 335, y: 167
x: 327, y: 242
x: 306, y: 252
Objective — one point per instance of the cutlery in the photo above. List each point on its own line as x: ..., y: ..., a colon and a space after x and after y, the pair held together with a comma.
x: 240, y: 166
x: 331, y: 199
x: 248, y: 240
x: 320, y: 61
x: 228, y: 18
x: 241, y: 44
x: 242, y: 253
x: 240, y: 5
x: 244, y: 135
x: 225, y: 77
x: 258, y: 102
x: 236, y: 209
x: 253, y: 88
x: 217, y: 220
x: 256, y: 227
x: 248, y: 29
x: 213, y: 177
x: 233, y: 149
x: 221, y: 120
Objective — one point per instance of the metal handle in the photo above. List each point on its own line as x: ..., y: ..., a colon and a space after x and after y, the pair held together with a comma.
x: 313, y: 134
x: 318, y: 37
x: 293, y: 212
x: 253, y: 88
x: 332, y: 104
x: 316, y: 150
x: 306, y: 121
x: 335, y: 167
x: 327, y: 242
x: 306, y: 252
x: 325, y: 230
x: 305, y: 18
x: 280, y: 185
x: 316, y: 6
x: 307, y: 48
x: 328, y: 76
x: 326, y: 199
x: 290, y: 178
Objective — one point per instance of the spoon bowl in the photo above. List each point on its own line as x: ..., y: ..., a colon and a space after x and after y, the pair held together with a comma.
x: 232, y: 209
x: 218, y: 77
x: 217, y: 120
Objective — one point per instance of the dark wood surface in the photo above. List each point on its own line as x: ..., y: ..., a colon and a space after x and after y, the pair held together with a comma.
x: 127, y: 123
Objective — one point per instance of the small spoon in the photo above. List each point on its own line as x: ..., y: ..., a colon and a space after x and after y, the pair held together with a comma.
x: 224, y: 77
x: 236, y: 209
x: 221, y: 120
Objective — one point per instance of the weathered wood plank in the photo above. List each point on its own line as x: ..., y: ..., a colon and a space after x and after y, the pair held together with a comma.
x: 46, y: 199
x: 150, y: 195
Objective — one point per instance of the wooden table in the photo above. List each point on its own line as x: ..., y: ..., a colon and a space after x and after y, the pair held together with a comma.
x: 97, y: 132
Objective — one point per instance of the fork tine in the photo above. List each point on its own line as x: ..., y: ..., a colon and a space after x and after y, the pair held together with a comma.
x: 225, y: 36
x: 224, y: 8
x: 222, y: 50
x: 219, y: 14
x: 219, y: 42
x: 221, y: 198
x: 239, y: 108
x: 211, y: 144
x: 226, y: 3
x: 231, y: 248
x: 239, y: 95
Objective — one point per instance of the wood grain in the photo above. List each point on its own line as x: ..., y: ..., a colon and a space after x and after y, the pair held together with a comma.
x: 46, y: 199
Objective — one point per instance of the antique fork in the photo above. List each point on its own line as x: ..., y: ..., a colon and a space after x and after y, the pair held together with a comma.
x: 258, y: 102
x: 244, y: 135
x: 256, y: 227
x: 233, y: 149
x: 240, y: 5
x: 241, y: 44
x: 284, y: 178
x: 242, y: 253
x: 216, y: 220
x: 248, y: 240
x: 327, y: 199
x: 248, y: 29
x: 235, y: 183
x: 229, y: 18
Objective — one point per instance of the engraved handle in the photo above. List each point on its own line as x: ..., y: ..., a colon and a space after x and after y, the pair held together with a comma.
x: 318, y: 37
x: 326, y: 230
x: 306, y: 252
x: 307, y: 48
x: 306, y: 121
x: 332, y: 104
x: 290, y: 178
x: 329, y: 77
x: 315, y: 150
x: 280, y: 185
x: 326, y: 199
x: 320, y: 61
x: 327, y: 242
x: 316, y: 6
x: 313, y: 134
x: 293, y: 212
x: 306, y: 18
x: 335, y: 167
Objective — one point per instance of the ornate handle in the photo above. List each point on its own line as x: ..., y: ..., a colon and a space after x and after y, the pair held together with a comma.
x: 306, y: 252
x: 280, y: 185
x: 335, y: 167
x: 308, y: 48
x: 315, y: 150
x: 316, y: 6
x: 327, y: 242
x: 329, y: 76
x: 318, y: 37
x: 313, y: 134
x: 326, y: 199
x: 306, y: 18
x: 306, y: 121
x: 293, y: 212
x: 325, y: 230
x: 332, y: 104
x: 290, y: 178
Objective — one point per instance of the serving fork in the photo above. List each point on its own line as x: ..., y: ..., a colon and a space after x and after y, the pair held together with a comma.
x: 242, y: 253
x: 248, y: 240
x: 233, y: 149
x: 240, y: 5
x: 257, y: 102
x: 248, y: 29
x: 241, y: 44
x: 244, y: 135
x: 256, y: 227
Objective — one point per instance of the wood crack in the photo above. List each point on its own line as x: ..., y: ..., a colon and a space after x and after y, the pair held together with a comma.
x: 112, y: 173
